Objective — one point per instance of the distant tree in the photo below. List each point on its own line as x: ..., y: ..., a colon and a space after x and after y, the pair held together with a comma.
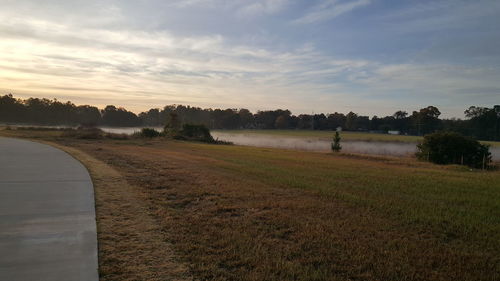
x: 113, y: 116
x: 336, y: 120
x: 281, y: 122
x: 375, y: 123
x: 88, y: 116
x: 151, y: 117
x: 305, y: 122
x: 246, y: 118
x: 319, y: 121
x: 401, y: 121
x: 484, y: 122
x: 362, y: 123
x: 12, y: 109
x: 267, y: 119
x: 400, y: 114
x: 231, y: 119
x: 336, y: 147
x: 426, y: 120
x: 351, y: 121
x: 173, y: 123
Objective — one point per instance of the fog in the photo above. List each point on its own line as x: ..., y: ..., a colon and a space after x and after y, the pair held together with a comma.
x: 319, y: 144
x: 312, y: 144
x: 126, y: 130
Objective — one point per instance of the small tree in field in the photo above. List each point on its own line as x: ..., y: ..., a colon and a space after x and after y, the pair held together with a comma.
x: 336, y: 147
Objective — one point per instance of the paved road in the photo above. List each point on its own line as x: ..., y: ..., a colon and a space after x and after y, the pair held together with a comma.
x: 47, y: 217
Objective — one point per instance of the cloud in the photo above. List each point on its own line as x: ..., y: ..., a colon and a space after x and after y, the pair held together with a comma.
x: 240, y: 7
x: 139, y: 67
x: 330, y: 9
x: 262, y: 7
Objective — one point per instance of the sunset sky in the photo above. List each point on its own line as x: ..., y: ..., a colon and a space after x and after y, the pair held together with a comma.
x: 369, y: 56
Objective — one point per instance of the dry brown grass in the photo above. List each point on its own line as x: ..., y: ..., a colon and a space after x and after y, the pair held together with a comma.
x: 240, y: 213
x: 231, y: 226
x: 132, y: 245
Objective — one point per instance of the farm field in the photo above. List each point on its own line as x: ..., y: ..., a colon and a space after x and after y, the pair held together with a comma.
x: 244, y: 213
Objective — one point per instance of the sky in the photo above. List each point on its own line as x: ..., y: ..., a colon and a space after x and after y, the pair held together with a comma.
x: 373, y: 57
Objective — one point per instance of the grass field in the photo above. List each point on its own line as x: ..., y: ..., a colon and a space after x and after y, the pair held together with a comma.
x: 346, y: 136
x: 245, y: 213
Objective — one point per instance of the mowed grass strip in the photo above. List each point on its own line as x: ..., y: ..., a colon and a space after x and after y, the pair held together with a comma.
x: 242, y: 213
x: 131, y: 245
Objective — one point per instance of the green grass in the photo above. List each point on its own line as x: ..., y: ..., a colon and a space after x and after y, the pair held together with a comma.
x: 247, y: 213
x: 451, y: 200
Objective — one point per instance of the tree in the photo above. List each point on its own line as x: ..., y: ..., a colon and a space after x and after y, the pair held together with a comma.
x: 113, y: 116
x: 336, y: 120
x: 151, y: 118
x: 246, y: 118
x: 88, y: 115
x: 12, y: 109
x: 401, y: 121
x: 453, y: 148
x: 400, y: 114
x: 426, y: 120
x: 173, y: 123
x: 281, y: 122
x: 195, y: 133
x: 350, y: 122
x: 484, y: 122
x: 267, y: 119
x: 336, y: 147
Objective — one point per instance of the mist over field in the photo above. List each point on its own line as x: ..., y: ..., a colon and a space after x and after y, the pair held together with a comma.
x: 323, y: 145
x: 389, y: 148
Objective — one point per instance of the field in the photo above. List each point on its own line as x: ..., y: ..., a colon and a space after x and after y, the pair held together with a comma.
x: 170, y: 210
x: 346, y: 136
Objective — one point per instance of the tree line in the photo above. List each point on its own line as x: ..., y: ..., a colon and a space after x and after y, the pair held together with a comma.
x: 481, y: 122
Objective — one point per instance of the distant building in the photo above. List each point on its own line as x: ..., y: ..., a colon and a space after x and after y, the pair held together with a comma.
x: 394, y: 132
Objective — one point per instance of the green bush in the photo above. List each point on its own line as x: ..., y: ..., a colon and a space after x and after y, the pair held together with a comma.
x: 196, y: 132
x: 453, y: 148
x: 336, y: 147
x: 149, y: 133
x: 84, y: 133
x: 115, y: 136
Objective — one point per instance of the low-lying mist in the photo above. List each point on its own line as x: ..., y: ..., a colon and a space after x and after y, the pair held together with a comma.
x: 319, y: 144
x: 312, y: 144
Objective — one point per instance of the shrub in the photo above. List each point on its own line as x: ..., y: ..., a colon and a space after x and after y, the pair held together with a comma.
x: 336, y: 147
x: 26, y: 128
x: 149, y: 133
x: 196, y: 133
x: 84, y: 133
x: 453, y: 148
x: 115, y: 136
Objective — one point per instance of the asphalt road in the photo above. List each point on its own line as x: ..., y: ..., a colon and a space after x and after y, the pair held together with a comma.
x: 47, y: 215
